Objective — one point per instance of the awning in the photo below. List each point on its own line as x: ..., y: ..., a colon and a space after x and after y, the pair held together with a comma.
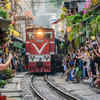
x: 4, y: 23
x: 18, y: 45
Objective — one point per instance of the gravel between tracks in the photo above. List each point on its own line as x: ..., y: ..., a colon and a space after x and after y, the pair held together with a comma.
x: 45, y: 91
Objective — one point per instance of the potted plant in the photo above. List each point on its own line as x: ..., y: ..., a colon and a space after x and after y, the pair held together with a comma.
x: 8, y: 73
x: 3, y: 83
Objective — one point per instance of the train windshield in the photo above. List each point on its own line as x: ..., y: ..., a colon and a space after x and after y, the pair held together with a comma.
x: 38, y: 35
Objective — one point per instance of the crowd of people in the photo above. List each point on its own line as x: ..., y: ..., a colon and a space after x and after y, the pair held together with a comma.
x: 14, y: 61
x: 80, y: 64
x: 84, y: 64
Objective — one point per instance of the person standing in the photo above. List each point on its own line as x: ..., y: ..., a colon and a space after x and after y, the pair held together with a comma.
x: 6, y: 65
x: 14, y: 63
x: 97, y: 61
x: 64, y: 65
x: 1, y: 60
x: 26, y: 61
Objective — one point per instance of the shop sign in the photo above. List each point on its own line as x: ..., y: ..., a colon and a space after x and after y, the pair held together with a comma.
x: 18, y: 18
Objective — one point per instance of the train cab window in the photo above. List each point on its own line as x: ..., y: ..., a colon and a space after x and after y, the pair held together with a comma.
x: 29, y: 36
x: 48, y: 35
x: 39, y: 35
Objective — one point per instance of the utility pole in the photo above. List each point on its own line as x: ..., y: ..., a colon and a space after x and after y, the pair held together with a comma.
x: 32, y: 5
x: 58, y: 3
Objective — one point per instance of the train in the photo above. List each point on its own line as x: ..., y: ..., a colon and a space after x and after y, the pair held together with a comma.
x: 40, y: 48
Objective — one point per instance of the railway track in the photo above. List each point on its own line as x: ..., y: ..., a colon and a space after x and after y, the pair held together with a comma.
x: 46, y: 90
x: 60, y: 91
x: 28, y: 95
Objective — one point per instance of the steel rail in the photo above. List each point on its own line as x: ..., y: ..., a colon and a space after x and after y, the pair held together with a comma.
x: 60, y: 91
x: 28, y: 89
x: 36, y: 91
x: 68, y: 96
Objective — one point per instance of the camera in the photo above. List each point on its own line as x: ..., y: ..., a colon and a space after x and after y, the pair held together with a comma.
x: 90, y: 49
x: 94, y: 46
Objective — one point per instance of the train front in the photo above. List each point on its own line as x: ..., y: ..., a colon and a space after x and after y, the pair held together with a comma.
x: 39, y: 47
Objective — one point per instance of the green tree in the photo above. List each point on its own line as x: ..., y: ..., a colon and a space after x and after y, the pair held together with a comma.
x: 4, y: 13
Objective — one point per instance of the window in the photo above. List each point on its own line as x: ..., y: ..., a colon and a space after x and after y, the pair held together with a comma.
x: 37, y: 35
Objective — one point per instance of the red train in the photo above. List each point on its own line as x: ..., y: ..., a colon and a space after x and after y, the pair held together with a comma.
x: 39, y: 46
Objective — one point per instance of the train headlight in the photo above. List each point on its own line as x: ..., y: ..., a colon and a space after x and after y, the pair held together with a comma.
x: 39, y: 35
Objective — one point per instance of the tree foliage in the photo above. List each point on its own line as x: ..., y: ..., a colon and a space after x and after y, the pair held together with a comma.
x: 80, y: 23
x: 4, y: 13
